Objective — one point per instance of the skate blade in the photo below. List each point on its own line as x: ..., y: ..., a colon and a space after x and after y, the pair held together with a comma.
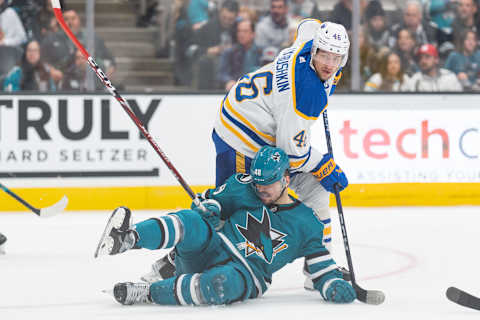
x: 105, y: 244
x: 108, y: 291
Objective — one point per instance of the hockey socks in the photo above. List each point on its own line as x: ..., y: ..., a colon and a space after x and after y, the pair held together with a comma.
x: 185, y: 229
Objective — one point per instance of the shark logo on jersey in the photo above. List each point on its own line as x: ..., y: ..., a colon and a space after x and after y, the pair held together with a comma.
x: 276, y: 157
x: 261, y: 238
x: 243, y: 178
x: 219, y: 189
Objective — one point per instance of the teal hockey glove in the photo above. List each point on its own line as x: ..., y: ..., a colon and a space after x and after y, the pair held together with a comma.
x: 338, y: 291
x: 212, y: 212
x: 329, y: 174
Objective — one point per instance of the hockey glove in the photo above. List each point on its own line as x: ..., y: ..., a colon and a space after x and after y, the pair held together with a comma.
x: 338, y: 291
x: 212, y: 212
x: 329, y: 174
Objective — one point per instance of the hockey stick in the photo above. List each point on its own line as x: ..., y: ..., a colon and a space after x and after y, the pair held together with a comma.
x: 463, y: 298
x: 366, y: 296
x: 57, y: 9
x: 42, y: 212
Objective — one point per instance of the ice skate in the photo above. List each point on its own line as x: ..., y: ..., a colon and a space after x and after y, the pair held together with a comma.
x: 163, y: 268
x: 117, y: 236
x: 3, y: 240
x: 128, y: 293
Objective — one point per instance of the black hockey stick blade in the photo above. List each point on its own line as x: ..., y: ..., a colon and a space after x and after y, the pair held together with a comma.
x: 374, y: 297
x: 463, y: 298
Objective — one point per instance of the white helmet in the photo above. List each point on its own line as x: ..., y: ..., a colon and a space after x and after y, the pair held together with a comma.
x: 331, y: 37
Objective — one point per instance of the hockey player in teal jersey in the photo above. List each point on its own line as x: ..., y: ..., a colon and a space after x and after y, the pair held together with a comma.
x: 264, y: 229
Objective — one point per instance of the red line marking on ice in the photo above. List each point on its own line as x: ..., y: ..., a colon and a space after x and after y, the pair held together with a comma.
x: 412, y: 262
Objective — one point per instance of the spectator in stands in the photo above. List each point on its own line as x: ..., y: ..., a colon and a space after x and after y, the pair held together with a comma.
x: 35, y: 16
x: 181, y: 32
x: 12, y: 32
x: 431, y: 77
x: 272, y: 30
x: 376, y: 26
x: 441, y: 12
x: 465, y: 61
x: 242, y: 58
x: 58, y: 49
x: 248, y: 13
x: 75, y: 75
x: 390, y: 77
x: 368, y: 63
x: 197, y: 12
x: 292, y: 32
x: 423, y: 31
x: 466, y: 18
x: 342, y: 12
x: 210, y: 42
x: 301, y: 9
x: 406, y: 47
x: 32, y: 74
x: 268, y: 55
x: 103, y: 56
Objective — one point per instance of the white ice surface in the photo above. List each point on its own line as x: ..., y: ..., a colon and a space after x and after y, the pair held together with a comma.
x: 412, y: 254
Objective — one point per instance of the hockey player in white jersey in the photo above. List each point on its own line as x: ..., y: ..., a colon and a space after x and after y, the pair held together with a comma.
x: 277, y: 105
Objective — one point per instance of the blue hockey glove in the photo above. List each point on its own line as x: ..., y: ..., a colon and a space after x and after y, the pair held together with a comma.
x: 212, y: 212
x: 329, y: 174
x: 338, y: 291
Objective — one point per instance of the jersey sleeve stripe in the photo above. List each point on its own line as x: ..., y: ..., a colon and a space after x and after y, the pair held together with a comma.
x: 246, y: 131
x: 236, y: 133
x: 247, y: 123
x: 295, y: 165
x: 239, y: 162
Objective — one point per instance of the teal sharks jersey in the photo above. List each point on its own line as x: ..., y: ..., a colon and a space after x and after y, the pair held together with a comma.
x: 270, y: 237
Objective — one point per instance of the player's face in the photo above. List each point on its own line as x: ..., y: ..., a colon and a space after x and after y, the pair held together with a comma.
x: 326, y: 64
x: 270, y: 193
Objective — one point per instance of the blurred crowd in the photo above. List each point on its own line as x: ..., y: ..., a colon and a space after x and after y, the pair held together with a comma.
x: 414, y: 46
x: 36, y: 56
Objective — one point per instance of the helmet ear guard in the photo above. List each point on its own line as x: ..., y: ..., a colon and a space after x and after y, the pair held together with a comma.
x: 331, y: 37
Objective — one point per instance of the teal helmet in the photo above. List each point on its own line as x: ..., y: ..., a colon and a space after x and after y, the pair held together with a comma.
x: 269, y: 165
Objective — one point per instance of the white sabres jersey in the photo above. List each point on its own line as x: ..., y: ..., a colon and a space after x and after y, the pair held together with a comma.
x: 278, y: 104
